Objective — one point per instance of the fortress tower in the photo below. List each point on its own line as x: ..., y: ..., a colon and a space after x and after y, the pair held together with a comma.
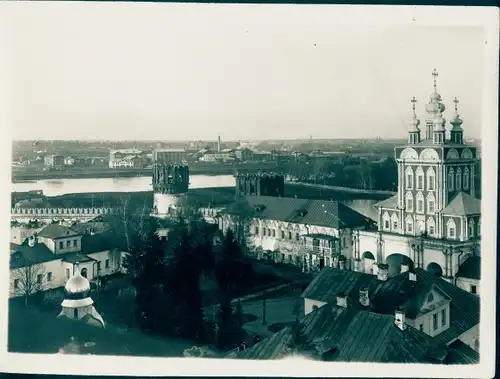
x: 260, y: 184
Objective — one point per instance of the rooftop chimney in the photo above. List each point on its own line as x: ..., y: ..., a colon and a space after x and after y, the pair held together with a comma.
x: 404, y: 267
x: 32, y: 240
x: 364, y: 300
x: 383, y: 272
x: 357, y: 265
x: 399, y: 318
x: 342, y: 300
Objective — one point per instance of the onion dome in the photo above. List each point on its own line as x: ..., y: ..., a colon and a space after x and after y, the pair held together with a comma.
x: 435, y: 106
x: 456, y: 121
x: 414, y: 122
x: 77, y: 284
x: 439, y: 123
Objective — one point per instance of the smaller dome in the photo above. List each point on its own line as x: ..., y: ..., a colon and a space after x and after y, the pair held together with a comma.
x: 413, y: 125
x: 77, y: 284
x: 457, y: 123
x: 435, y: 97
x: 439, y: 122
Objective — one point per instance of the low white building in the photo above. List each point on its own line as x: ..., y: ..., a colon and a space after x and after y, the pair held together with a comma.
x: 468, y: 276
x: 47, y: 260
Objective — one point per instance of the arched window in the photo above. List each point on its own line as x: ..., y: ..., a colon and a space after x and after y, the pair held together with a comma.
x: 431, y: 179
x: 451, y: 229
x: 431, y: 203
x: 409, y: 224
x: 478, y: 228
x: 471, y: 228
x: 395, y: 223
x: 466, y: 178
x: 84, y: 272
x: 409, y: 202
x: 420, y: 202
x: 451, y: 180
x: 386, y: 222
x: 409, y: 178
x: 459, y: 179
x: 420, y: 178
x: 431, y: 227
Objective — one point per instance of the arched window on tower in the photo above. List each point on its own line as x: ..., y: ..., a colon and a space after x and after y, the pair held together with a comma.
x: 420, y: 178
x: 431, y: 179
x: 409, y: 178
x: 395, y: 222
x: 459, y: 179
x: 451, y: 179
x: 471, y: 228
x: 386, y: 221
x: 431, y: 227
x: 409, y: 202
x: 466, y: 178
x: 451, y: 229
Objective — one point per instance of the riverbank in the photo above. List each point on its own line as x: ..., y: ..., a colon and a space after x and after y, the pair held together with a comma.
x: 29, y: 174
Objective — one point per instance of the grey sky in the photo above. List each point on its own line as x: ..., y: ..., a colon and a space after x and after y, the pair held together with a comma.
x: 157, y: 72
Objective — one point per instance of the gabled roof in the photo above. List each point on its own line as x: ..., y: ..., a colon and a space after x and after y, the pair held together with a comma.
x: 25, y: 255
x: 470, y: 268
x: 389, y: 203
x: 333, y: 333
x: 398, y: 291
x: 301, y: 211
x: 54, y: 231
x: 463, y: 204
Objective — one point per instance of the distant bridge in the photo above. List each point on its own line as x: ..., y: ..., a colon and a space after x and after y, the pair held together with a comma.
x: 80, y: 214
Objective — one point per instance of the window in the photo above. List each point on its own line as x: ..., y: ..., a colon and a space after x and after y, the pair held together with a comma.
x: 420, y: 205
x: 451, y: 180
x: 75, y: 243
x: 478, y: 228
x: 282, y: 234
x: 471, y: 228
x: 409, y: 227
x: 394, y: 225
x: 269, y: 232
x: 450, y: 224
x: 409, y: 202
x: 61, y: 245
x: 75, y: 313
x: 106, y: 264
x: 39, y: 278
x: 459, y: 179
x: 386, y: 224
x: 49, y: 277
x: 289, y: 235
x: 430, y: 182
x: 67, y: 273
x: 297, y: 236
x: 420, y: 182
x: 282, y: 257
x: 431, y: 230
x: 68, y: 244
x: 443, y: 317
x: 451, y: 232
x: 314, y: 307
x: 16, y: 284
x: 257, y: 230
x: 421, y: 327
x: 466, y: 179
x: 434, y: 321
x: 273, y: 232
x: 430, y: 298
x: 431, y: 206
x: 409, y: 179
x: 98, y: 266
x: 344, y: 241
x: 473, y: 289
x: 84, y: 272
x: 263, y: 231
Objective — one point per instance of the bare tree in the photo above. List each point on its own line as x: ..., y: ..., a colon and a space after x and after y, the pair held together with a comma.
x: 29, y: 280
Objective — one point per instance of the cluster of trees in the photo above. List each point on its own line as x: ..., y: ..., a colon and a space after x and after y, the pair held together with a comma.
x: 166, y: 277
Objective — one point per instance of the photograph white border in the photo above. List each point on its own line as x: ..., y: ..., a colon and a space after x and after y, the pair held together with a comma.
x: 419, y: 16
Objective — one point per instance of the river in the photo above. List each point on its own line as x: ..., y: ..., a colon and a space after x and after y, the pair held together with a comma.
x: 56, y: 187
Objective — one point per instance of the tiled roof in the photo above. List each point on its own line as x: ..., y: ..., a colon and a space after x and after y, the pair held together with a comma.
x: 25, y: 255
x: 57, y: 231
x: 470, y: 269
x: 301, y: 211
x: 334, y: 333
x: 398, y: 291
x: 463, y: 204
x: 76, y: 258
x: 390, y: 203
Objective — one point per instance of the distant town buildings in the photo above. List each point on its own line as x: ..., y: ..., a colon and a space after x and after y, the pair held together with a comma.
x: 131, y: 158
x: 54, y: 161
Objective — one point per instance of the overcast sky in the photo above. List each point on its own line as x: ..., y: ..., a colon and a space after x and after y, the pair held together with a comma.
x: 155, y: 71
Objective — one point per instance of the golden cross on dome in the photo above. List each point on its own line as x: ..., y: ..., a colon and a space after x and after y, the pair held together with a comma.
x: 435, y: 74
x: 414, y: 101
x: 455, y: 100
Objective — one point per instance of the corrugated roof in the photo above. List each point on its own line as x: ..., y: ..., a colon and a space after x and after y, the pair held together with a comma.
x: 470, y: 269
x: 463, y: 204
x: 57, y: 231
x: 345, y: 334
x: 398, y: 291
x: 301, y: 211
x: 390, y: 203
